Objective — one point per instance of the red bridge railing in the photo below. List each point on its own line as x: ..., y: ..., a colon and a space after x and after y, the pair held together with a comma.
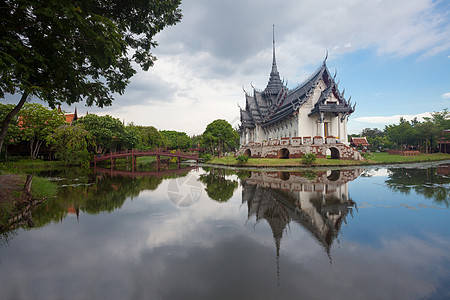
x: 138, y: 153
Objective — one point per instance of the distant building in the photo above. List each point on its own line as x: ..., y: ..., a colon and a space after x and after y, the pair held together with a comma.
x: 22, y: 148
x: 315, y: 111
x: 359, y: 142
x: 69, y: 117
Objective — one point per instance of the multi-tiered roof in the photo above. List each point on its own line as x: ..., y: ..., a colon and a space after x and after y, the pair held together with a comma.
x: 276, y: 102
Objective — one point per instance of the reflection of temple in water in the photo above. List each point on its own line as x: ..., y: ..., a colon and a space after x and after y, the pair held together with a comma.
x: 319, y: 201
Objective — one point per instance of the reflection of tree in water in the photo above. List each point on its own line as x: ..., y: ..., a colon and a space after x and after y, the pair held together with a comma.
x: 6, y: 236
x: 318, y: 203
x: 94, y: 194
x: 217, y: 186
x: 433, y: 183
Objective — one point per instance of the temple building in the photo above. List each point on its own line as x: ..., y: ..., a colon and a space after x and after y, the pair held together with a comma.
x: 315, y: 109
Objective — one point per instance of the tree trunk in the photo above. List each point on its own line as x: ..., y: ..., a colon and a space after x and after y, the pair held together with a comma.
x: 27, y: 186
x: 9, y: 117
x: 37, y: 147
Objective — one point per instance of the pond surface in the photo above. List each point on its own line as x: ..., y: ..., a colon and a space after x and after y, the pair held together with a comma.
x: 202, y: 233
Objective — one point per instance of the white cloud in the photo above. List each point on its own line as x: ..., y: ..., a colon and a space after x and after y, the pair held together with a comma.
x: 391, y: 119
x: 446, y: 95
x: 218, y: 47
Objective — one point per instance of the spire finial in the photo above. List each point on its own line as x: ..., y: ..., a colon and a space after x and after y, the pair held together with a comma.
x: 273, y: 43
x: 274, y: 85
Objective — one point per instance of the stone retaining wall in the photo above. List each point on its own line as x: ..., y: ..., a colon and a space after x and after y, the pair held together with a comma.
x: 297, y: 147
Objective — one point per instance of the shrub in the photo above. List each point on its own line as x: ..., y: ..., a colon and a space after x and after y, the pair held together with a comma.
x: 309, y: 158
x: 242, y: 159
x: 366, y: 155
x: 205, y: 156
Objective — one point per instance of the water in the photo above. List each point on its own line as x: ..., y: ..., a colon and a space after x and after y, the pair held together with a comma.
x: 363, y: 233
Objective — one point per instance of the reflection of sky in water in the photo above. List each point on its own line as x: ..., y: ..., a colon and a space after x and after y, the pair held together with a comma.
x: 152, y: 249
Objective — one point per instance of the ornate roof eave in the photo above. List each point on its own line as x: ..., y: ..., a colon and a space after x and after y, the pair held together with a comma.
x: 332, y: 108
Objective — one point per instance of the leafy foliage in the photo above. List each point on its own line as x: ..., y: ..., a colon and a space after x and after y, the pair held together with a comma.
x: 220, y: 131
x: 309, y: 158
x: 420, y: 135
x: 12, y: 134
x: 176, y: 139
x: 411, y: 134
x: 205, y: 156
x: 69, y: 51
x: 37, y: 123
x: 109, y: 133
x: 71, y: 144
x: 152, y: 138
x: 242, y: 159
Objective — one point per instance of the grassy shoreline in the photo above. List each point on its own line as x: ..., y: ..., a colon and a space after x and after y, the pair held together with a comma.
x: 15, y: 201
x: 375, y: 159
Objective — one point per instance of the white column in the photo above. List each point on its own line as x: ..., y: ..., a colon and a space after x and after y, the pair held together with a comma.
x: 345, y: 131
x: 339, y: 124
x: 322, y: 126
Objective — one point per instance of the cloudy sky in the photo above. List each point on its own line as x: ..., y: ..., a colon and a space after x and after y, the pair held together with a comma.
x: 392, y: 58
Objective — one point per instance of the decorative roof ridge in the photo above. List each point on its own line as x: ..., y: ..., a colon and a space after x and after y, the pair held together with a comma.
x: 316, y: 73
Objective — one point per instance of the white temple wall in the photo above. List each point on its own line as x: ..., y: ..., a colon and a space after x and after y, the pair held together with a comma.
x: 259, y: 134
x: 306, y: 125
x: 344, y: 138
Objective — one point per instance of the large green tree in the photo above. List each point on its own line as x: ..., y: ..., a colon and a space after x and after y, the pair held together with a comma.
x: 177, y: 139
x: 423, y: 135
x: 69, y: 51
x: 151, y: 137
x: 71, y: 143
x: 37, y: 123
x: 220, y: 134
x: 109, y: 133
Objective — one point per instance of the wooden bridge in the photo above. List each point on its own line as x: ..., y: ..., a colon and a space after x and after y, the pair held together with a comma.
x: 158, y: 153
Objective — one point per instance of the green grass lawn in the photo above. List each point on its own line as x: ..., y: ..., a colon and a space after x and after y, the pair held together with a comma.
x: 390, y: 158
x: 376, y: 158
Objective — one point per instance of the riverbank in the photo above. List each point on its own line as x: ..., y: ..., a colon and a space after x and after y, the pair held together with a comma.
x: 16, y: 201
x: 374, y: 159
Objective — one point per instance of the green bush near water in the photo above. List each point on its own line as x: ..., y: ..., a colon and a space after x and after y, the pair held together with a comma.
x: 309, y: 158
x: 43, y: 188
x: 242, y: 159
x: 205, y: 156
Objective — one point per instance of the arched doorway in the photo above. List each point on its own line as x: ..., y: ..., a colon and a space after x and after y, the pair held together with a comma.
x: 283, y: 153
x: 334, y: 153
x: 248, y: 153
